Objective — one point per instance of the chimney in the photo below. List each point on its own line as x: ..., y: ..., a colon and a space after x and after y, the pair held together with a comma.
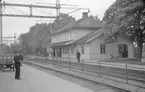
x: 85, y: 15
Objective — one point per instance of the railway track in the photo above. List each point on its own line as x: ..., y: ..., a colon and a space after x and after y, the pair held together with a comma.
x: 126, y: 74
x: 41, y: 67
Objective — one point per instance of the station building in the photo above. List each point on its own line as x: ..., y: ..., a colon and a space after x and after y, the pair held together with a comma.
x: 87, y: 36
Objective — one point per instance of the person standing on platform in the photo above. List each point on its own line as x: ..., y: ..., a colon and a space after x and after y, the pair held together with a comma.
x: 17, y: 65
x: 21, y: 58
x: 78, y: 55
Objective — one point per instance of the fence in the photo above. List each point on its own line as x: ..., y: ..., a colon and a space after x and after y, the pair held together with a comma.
x: 125, y: 73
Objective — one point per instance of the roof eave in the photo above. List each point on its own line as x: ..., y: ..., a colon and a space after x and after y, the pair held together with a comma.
x: 92, y: 28
x: 94, y: 37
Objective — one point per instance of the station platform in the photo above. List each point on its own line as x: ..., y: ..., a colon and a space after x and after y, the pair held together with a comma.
x: 34, y: 80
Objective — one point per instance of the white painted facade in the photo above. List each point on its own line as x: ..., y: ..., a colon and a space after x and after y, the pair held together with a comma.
x: 92, y: 50
x: 69, y: 35
x: 111, y: 49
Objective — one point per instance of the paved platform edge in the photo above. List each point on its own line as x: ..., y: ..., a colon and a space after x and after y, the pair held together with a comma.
x: 104, y: 81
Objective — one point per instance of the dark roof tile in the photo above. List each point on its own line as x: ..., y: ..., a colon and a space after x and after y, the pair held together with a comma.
x: 84, y: 39
x: 89, y: 23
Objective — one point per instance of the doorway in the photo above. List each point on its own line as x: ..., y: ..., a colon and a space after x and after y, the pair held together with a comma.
x: 53, y: 52
x: 59, y: 53
x: 123, y: 50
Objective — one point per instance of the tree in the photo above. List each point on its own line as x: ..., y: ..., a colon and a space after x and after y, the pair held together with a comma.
x: 5, y: 49
x: 128, y: 16
x: 14, y: 47
x: 63, y: 20
x: 24, y: 41
x: 38, y: 36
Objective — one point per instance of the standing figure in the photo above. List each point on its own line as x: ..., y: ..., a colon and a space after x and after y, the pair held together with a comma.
x: 21, y: 58
x: 17, y: 65
x: 78, y: 55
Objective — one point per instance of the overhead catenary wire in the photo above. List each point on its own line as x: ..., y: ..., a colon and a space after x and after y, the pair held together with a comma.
x: 19, y: 11
x: 42, y: 11
x: 50, y: 13
x: 67, y: 6
x: 25, y: 13
x: 67, y: 1
x: 74, y: 11
x: 59, y: 4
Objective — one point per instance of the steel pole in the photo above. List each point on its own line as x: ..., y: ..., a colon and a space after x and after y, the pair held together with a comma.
x: 1, y: 36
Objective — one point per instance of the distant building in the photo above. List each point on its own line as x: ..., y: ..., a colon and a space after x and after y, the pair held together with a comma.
x: 86, y: 35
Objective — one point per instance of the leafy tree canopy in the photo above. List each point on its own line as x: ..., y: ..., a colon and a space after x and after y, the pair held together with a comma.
x: 127, y: 16
x: 39, y: 35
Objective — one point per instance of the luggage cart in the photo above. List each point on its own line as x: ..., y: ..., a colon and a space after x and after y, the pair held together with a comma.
x: 6, y: 61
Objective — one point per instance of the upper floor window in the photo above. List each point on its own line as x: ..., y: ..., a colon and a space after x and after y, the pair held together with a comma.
x: 72, y: 35
x: 69, y: 36
x: 58, y: 38
x: 63, y: 37
x: 54, y: 38
x: 102, y: 49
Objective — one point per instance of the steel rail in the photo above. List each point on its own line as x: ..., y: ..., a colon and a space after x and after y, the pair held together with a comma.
x: 39, y: 65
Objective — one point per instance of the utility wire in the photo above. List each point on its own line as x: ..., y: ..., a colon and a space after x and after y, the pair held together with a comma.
x: 74, y: 11
x: 19, y: 11
x: 67, y: 1
x: 42, y: 11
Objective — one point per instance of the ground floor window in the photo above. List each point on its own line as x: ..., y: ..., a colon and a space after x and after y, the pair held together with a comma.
x: 72, y: 49
x: 82, y: 49
x: 102, y: 48
x: 53, y: 52
x: 65, y: 50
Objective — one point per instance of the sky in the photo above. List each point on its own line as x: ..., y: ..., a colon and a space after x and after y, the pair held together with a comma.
x: 18, y: 25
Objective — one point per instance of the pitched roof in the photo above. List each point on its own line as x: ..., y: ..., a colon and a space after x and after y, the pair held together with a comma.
x: 60, y: 43
x: 89, y: 23
x: 65, y: 28
x: 89, y: 37
x: 95, y: 34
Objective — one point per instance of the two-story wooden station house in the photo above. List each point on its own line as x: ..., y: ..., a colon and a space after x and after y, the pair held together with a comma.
x: 86, y: 35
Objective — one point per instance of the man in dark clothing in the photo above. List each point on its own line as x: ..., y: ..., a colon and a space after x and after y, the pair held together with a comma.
x: 78, y: 55
x: 21, y: 58
x: 17, y: 65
